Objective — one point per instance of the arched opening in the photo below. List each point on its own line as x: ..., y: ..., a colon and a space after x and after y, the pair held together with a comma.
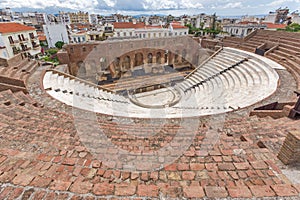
x: 117, y: 64
x: 183, y: 55
x: 166, y: 56
x: 81, y: 70
x: 176, y: 59
x: 103, y: 65
x: 158, y: 58
x: 126, y: 63
x: 150, y: 58
x: 139, y: 60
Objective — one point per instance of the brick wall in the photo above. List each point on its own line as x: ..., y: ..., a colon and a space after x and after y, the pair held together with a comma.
x: 290, y: 150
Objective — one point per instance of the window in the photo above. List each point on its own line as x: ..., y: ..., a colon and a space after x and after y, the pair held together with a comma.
x: 11, y: 41
x: 19, y: 36
x: 23, y: 38
x: 31, y: 35
x: 71, y: 50
x: 84, y: 49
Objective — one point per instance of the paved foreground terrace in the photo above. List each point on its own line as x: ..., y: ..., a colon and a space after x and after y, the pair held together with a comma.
x: 51, y: 148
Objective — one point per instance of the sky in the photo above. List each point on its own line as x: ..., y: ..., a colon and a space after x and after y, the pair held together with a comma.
x: 166, y: 7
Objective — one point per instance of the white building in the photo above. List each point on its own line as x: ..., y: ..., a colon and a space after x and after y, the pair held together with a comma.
x: 242, y: 29
x: 295, y: 17
x: 140, y: 30
x: 16, y: 38
x: 54, y: 33
x: 79, y: 37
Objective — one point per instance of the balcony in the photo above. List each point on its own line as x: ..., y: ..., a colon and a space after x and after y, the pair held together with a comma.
x: 24, y: 41
x: 15, y: 42
x: 26, y: 49
x: 36, y: 46
x: 34, y: 38
x: 16, y: 52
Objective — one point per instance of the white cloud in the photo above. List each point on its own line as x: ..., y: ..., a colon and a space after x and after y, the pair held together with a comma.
x: 159, y: 4
x: 221, y: 7
x: 191, y: 4
x: 233, y: 5
x: 110, y: 3
x: 38, y: 4
x: 282, y: 2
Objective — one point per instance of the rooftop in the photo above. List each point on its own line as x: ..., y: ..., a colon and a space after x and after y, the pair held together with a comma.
x: 128, y: 25
x: 14, y: 27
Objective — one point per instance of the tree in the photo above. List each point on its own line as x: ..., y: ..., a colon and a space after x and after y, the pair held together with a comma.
x: 294, y: 27
x: 59, y: 44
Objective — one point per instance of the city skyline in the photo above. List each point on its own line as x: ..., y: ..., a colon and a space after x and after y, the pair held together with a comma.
x: 137, y: 7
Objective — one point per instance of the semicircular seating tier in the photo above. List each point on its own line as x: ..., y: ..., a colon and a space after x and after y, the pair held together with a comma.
x: 229, y: 80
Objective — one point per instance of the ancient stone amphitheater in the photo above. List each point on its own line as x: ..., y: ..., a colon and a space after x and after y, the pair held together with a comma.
x: 228, y: 129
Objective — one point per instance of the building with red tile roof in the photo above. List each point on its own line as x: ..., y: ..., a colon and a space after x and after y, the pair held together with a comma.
x: 272, y: 26
x: 140, y: 30
x: 16, y: 38
x: 128, y: 25
x: 12, y: 27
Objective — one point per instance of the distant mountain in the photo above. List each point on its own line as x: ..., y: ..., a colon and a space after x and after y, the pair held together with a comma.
x: 48, y: 10
x: 147, y: 15
x: 240, y: 16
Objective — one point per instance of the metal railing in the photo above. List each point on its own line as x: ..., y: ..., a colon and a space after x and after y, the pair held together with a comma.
x: 204, y: 62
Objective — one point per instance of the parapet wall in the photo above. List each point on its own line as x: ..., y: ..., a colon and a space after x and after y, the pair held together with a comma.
x: 290, y: 150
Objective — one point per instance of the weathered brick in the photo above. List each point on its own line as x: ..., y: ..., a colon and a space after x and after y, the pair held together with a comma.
x: 69, y: 161
x: 188, y: 175
x: 39, y: 195
x: 259, y: 164
x: 103, y: 189
x: 41, y: 182
x: 81, y: 187
x: 125, y: 189
x: 226, y: 166
x: 23, y: 179
x: 242, y: 166
x: 261, y: 191
x: 15, y: 193
x: 182, y: 166
x: 147, y: 190
x: 193, y: 192
x: 96, y: 164
x: 60, y: 185
x: 215, y: 192
x: 197, y: 166
x: 174, y: 176
x: 284, y: 190
x: 239, y: 192
x: 28, y: 193
x: 171, y: 167
x: 5, y: 192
